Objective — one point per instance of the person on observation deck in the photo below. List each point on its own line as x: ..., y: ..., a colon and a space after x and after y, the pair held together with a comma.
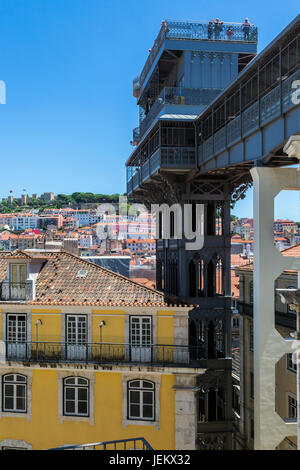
x: 229, y: 32
x: 218, y: 28
x: 210, y: 29
x: 246, y: 29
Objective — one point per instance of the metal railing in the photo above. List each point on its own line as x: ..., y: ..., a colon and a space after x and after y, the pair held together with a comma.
x: 137, y: 443
x: 103, y: 353
x: 163, y: 157
x: 192, y: 30
x: 16, y: 290
x: 176, y: 96
x: 211, y: 31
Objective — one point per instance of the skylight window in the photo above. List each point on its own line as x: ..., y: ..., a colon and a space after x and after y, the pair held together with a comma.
x: 82, y: 273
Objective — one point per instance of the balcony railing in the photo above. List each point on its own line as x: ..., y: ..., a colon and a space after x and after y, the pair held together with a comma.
x: 191, y: 30
x: 104, y: 353
x: 176, y: 96
x: 137, y: 443
x: 11, y: 291
x: 183, y: 158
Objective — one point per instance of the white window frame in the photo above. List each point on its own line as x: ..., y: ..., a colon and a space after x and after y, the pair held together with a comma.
x: 76, y: 386
x: 156, y: 379
x: 140, y: 390
x: 81, y: 338
x: 14, y: 383
x: 20, y: 334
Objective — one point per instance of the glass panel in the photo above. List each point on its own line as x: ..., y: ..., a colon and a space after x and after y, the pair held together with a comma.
x: 70, y: 393
x: 22, y: 273
x: 14, y: 273
x: 9, y: 390
x: 134, y: 411
x: 9, y: 378
x: 8, y: 403
x: 20, y: 378
x: 20, y: 391
x: 70, y: 381
x: 21, y: 404
x: 82, y: 407
x: 70, y: 406
x: 147, y: 398
x: 82, y: 381
x: 147, y: 411
x: 82, y: 394
x: 134, y: 397
x: 147, y: 384
x: 134, y: 384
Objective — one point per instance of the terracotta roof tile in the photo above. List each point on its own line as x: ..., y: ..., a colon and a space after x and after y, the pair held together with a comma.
x: 58, y: 283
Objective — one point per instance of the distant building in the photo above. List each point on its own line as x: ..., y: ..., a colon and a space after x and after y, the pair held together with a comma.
x: 71, y: 245
x: 51, y: 222
x: 140, y: 246
x: 24, y: 199
x: 48, y: 197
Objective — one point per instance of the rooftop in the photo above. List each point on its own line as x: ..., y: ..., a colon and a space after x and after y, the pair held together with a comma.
x: 57, y: 283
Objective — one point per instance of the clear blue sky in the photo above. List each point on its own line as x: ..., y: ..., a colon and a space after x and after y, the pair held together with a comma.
x: 68, y: 66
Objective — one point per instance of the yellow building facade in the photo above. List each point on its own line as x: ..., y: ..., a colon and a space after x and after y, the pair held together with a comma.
x: 76, y: 368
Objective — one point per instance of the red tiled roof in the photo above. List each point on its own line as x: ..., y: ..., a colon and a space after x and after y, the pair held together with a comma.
x: 57, y: 283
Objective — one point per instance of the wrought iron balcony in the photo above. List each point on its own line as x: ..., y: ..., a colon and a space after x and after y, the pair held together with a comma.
x: 193, y: 30
x: 183, y: 158
x: 11, y: 291
x: 104, y: 353
x: 175, y: 96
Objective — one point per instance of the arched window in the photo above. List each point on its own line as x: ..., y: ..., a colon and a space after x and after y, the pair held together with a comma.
x: 141, y: 400
x: 14, y: 393
x: 76, y: 396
